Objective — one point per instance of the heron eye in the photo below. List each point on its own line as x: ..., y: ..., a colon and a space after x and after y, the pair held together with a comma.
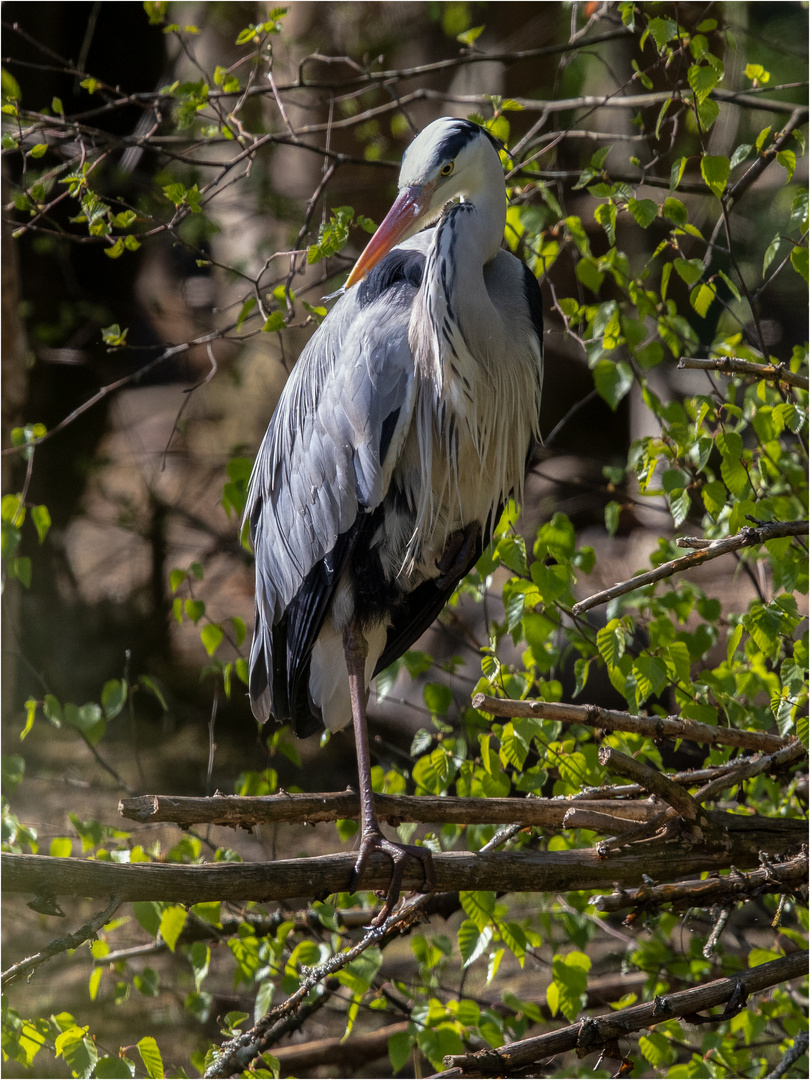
x: 447, y: 168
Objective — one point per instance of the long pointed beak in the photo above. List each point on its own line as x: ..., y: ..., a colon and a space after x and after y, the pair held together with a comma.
x: 400, y: 222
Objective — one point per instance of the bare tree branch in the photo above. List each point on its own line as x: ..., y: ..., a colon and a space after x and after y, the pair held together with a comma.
x: 62, y: 944
x: 655, y: 727
x: 746, y: 537
x: 788, y: 876
x: 654, y: 781
x: 593, y: 1033
x: 246, y: 811
x: 513, y: 871
x: 733, y: 366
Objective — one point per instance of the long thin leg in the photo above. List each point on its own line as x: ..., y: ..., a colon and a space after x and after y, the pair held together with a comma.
x: 371, y: 835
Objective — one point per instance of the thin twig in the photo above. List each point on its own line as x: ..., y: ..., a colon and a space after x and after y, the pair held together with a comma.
x: 746, y: 537
x: 62, y: 944
x: 236, y: 1054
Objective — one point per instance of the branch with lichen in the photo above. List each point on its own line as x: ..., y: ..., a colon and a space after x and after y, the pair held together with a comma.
x: 749, y: 536
x: 731, y: 365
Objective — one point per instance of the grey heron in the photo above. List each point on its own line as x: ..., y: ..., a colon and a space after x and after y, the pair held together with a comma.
x: 404, y: 426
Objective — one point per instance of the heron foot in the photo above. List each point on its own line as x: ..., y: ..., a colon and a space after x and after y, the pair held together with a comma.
x: 373, y: 840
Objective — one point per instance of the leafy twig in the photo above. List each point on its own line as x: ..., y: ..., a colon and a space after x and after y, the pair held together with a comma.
x: 62, y: 944
x: 746, y: 537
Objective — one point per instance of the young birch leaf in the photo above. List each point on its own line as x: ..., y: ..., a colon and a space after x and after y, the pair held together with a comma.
x: 714, y: 170
x: 150, y: 1056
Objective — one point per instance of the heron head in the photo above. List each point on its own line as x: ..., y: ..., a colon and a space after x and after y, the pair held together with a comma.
x: 442, y: 163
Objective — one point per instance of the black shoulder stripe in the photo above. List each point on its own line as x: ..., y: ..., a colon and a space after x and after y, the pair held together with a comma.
x: 400, y: 266
x: 534, y: 298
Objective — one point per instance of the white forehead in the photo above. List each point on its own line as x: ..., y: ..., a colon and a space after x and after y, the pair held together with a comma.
x: 441, y: 141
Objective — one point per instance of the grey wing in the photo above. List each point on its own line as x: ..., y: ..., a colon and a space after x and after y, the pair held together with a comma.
x: 325, y: 462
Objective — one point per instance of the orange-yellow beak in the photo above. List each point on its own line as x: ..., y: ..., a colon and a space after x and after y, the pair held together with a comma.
x: 400, y: 221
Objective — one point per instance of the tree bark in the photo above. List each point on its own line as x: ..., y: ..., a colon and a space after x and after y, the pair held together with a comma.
x: 593, y: 1033
x: 671, y: 859
x: 246, y: 811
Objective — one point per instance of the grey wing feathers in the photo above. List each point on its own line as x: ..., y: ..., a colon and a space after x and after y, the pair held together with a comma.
x: 321, y: 463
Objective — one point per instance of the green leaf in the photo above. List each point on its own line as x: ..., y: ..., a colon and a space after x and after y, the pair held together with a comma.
x: 150, y: 1056
x: 689, y: 270
x: 787, y: 159
x: 605, y: 214
x: 702, y: 79
x: 610, y: 642
x: 472, y: 942
x: 675, y: 211
x: 274, y: 322
x: 645, y: 211
x: 588, y: 273
x: 469, y: 36
x: 172, y: 921
x: 61, y: 847
x: 246, y: 309
x: 758, y: 73
x: 478, y: 907
x: 113, y: 697
x: 114, y: 1068
x: 400, y: 1045
x: 514, y: 748
x: 42, y: 521
x: 701, y: 298
x: 566, y: 994
x: 78, y: 1051
x: 211, y: 636
x: 651, y: 675
x: 194, y: 609
x: 714, y: 170
x: 662, y: 31
x: 799, y: 261
x: 612, y: 381
x: 148, y: 913
x: 438, y: 698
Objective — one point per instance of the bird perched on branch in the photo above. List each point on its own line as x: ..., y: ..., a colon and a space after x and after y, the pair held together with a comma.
x: 404, y: 427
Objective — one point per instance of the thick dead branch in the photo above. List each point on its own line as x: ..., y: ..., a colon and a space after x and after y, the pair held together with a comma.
x: 246, y: 811
x: 746, y: 537
x: 593, y: 1033
x: 519, y: 871
x: 62, y: 944
x: 655, y: 727
x: 730, y: 365
x: 651, y: 780
x: 366, y: 1048
x: 782, y: 877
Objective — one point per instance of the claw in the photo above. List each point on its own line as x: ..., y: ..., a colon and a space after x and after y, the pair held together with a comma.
x: 373, y: 840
